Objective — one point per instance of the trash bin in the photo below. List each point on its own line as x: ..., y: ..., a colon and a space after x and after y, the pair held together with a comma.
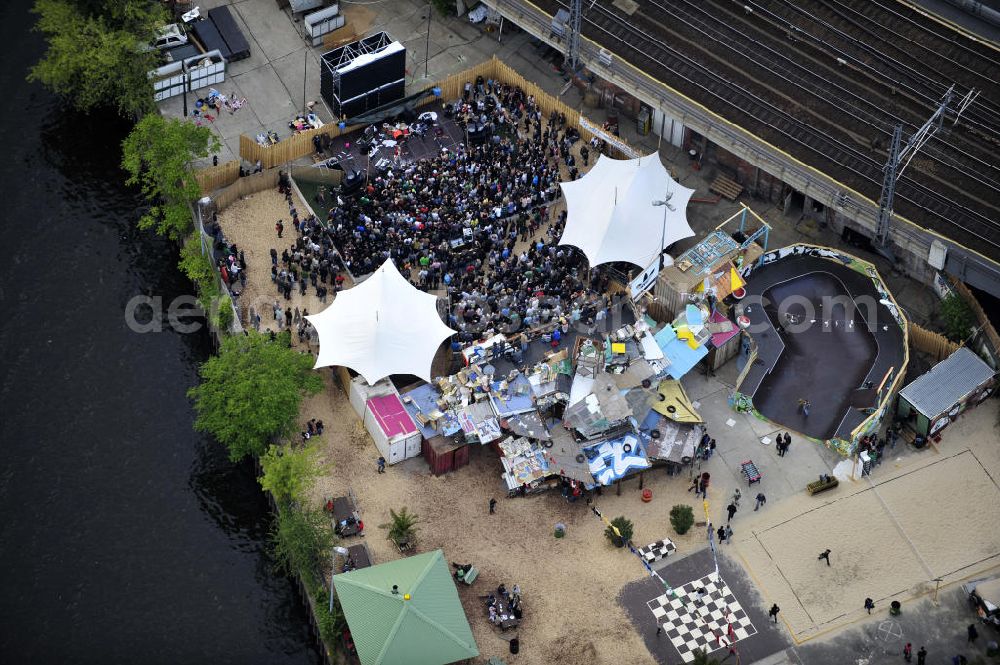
x: 894, y: 608
x: 515, y: 645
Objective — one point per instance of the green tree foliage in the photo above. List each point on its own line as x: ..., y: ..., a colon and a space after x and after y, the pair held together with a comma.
x: 94, y: 58
x: 625, y: 529
x: 401, y: 526
x: 252, y: 391
x: 301, y: 540
x: 198, y: 268
x: 289, y: 472
x: 682, y: 518
x: 957, y: 317
x: 157, y: 155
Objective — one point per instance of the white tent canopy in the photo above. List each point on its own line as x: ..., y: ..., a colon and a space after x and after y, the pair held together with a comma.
x: 380, y: 327
x: 611, y: 215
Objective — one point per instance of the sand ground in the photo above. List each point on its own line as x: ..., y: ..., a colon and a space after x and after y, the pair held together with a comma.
x: 931, y: 517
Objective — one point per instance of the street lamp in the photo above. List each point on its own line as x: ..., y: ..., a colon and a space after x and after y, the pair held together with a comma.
x: 665, y: 203
x: 342, y: 551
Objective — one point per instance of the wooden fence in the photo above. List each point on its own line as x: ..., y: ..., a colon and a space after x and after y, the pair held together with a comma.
x: 934, y: 344
x: 981, y: 318
x: 212, y: 178
x: 300, y: 145
x: 245, y: 186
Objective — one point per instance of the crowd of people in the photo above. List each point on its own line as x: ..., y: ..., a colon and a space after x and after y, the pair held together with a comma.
x: 453, y: 221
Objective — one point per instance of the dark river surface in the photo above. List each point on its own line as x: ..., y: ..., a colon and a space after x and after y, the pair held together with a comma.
x: 124, y: 536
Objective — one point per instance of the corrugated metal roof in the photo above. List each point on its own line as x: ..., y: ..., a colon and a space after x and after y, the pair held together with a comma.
x: 947, y: 383
x: 428, y: 629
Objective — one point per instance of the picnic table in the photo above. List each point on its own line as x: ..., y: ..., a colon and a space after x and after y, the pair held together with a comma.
x: 506, y: 619
x: 750, y: 472
x: 359, y: 556
x: 346, y: 519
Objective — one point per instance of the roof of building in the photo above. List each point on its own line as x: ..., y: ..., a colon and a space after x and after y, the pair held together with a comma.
x: 428, y: 629
x: 947, y: 383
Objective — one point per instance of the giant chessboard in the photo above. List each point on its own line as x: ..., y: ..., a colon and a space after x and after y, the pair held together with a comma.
x: 714, y: 623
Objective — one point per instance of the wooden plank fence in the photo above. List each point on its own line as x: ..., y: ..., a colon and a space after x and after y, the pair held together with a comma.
x: 981, y: 318
x: 212, y: 178
x: 934, y: 344
x: 245, y: 186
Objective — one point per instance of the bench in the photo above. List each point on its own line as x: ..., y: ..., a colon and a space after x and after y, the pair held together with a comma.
x: 470, y: 575
x: 726, y: 187
x: 818, y: 486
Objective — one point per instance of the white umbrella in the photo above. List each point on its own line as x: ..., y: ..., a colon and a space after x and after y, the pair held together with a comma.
x: 380, y: 327
x: 625, y: 210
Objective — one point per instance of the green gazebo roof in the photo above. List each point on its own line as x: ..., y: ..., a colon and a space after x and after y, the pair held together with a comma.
x: 428, y: 629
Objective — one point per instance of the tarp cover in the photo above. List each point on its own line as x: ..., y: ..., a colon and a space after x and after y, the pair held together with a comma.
x: 611, y: 216
x: 380, y: 327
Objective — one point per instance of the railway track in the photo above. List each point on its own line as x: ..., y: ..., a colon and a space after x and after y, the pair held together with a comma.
x: 970, y: 174
x: 727, y: 90
x: 882, y: 55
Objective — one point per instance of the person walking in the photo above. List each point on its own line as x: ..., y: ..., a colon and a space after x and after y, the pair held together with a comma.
x: 908, y: 652
x: 737, y: 495
x: 381, y: 464
x: 729, y: 534
x: 779, y: 444
x: 973, y: 633
x: 493, y: 506
x: 761, y: 500
x: 722, y: 534
x: 922, y: 656
x: 869, y: 605
x: 731, y: 509
x: 788, y: 443
x: 773, y: 612
x: 825, y: 554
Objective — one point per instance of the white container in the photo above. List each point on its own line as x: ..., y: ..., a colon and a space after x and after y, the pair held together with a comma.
x: 325, y: 21
x: 395, y: 434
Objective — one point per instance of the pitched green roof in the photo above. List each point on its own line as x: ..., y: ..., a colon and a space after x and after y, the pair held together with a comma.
x: 428, y: 629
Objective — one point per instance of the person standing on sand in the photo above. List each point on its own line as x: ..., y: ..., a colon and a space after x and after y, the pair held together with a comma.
x: 973, y: 633
x: 825, y: 554
x: 493, y: 506
x: 381, y: 464
x: 279, y: 226
x: 773, y: 612
x: 869, y: 605
x: 908, y: 652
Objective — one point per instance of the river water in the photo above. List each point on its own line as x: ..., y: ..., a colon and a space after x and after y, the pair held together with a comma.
x: 124, y: 536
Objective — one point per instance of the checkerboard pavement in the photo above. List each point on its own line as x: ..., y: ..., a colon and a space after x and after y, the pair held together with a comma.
x: 716, y: 622
x: 661, y: 549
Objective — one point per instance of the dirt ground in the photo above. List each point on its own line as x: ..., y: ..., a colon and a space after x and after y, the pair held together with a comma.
x: 569, y: 585
x: 927, y: 518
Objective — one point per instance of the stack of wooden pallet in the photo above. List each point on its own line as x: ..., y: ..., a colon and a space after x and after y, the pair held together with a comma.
x: 726, y: 187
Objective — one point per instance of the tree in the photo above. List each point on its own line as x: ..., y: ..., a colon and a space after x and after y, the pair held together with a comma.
x: 957, y: 317
x: 301, y: 539
x: 288, y: 472
x: 252, y: 391
x: 401, y: 526
x: 624, y: 534
x: 198, y: 268
x: 94, y: 57
x: 682, y: 518
x: 157, y: 155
